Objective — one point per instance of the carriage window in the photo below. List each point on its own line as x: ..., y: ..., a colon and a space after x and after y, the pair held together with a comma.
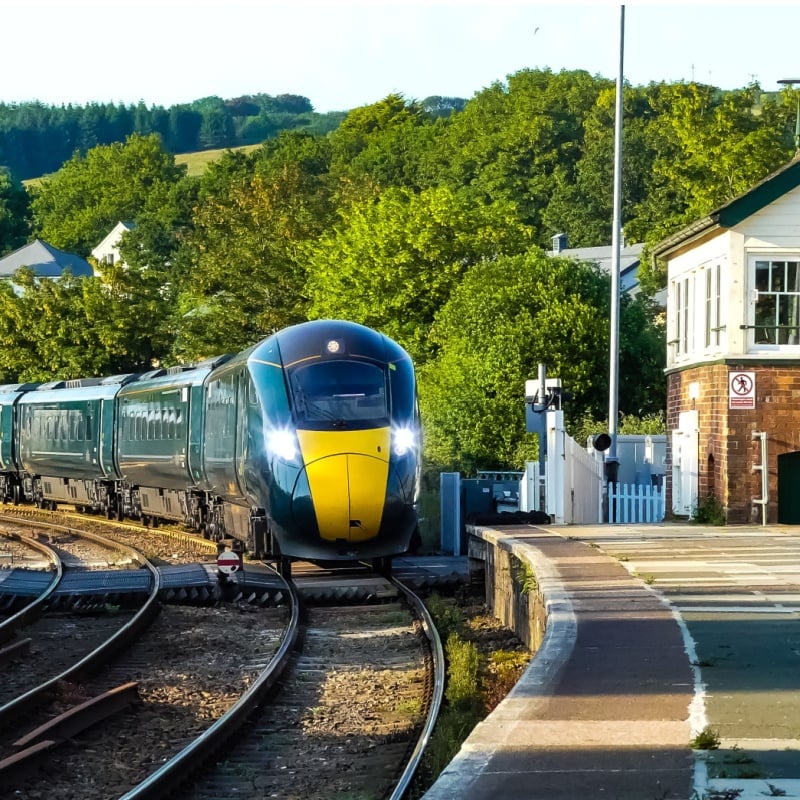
x: 339, y: 392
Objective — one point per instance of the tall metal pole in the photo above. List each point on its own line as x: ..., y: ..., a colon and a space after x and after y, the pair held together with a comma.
x: 612, y: 462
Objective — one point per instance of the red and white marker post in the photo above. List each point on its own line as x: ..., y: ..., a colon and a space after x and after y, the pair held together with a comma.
x: 228, y: 562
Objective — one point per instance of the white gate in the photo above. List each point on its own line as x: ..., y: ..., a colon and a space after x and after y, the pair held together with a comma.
x: 574, y: 480
x: 633, y: 503
x: 684, y: 464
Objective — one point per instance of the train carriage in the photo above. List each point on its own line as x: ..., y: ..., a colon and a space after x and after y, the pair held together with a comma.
x: 306, y: 445
x: 158, y: 444
x: 66, y: 443
x: 10, y: 479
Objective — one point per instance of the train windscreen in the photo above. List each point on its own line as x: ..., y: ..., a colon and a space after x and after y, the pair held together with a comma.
x: 339, y: 393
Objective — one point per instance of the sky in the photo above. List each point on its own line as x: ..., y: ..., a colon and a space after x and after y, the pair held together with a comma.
x: 348, y: 53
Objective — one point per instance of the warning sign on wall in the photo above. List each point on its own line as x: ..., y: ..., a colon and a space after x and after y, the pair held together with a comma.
x: 742, y: 390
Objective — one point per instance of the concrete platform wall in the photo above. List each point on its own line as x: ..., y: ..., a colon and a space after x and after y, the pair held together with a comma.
x: 513, y: 590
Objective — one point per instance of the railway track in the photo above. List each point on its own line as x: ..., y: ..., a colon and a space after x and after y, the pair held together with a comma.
x: 351, y: 717
x: 190, y: 668
x: 27, y: 552
x: 169, y: 544
x: 64, y: 648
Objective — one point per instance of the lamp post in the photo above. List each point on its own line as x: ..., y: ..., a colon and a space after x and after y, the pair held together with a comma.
x: 791, y: 82
x: 611, y: 459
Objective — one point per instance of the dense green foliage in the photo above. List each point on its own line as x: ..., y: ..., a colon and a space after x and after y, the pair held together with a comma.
x: 427, y: 220
x: 14, y: 213
x: 393, y: 262
x: 77, y: 207
x: 36, y: 139
x: 505, y: 317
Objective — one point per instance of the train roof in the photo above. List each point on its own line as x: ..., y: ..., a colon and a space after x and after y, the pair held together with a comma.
x: 10, y: 392
x: 328, y: 339
x: 60, y: 392
x: 174, y: 377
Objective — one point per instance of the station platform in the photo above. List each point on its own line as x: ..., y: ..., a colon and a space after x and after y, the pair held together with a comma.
x: 602, y: 710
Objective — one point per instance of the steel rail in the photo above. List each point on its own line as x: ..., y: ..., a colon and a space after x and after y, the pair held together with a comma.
x: 179, y: 767
x: 94, y: 660
x: 437, y: 656
x: 8, y: 627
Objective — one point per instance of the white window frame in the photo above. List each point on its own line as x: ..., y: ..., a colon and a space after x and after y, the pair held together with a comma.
x: 713, y: 324
x: 772, y: 258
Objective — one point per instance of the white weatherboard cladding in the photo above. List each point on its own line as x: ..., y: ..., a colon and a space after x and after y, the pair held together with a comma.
x: 776, y: 226
x: 688, y: 270
x: 772, y: 232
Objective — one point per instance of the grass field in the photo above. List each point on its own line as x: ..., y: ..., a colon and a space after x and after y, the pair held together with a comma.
x: 195, y: 162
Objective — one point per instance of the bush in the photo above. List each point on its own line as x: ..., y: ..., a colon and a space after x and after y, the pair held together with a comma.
x: 709, y: 511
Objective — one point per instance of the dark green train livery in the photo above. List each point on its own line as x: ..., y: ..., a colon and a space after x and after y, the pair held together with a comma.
x: 306, y: 445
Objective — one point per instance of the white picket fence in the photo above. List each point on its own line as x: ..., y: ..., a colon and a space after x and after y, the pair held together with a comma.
x: 632, y: 503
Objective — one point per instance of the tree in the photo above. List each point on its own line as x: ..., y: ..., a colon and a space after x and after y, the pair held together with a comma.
x: 712, y: 146
x: 14, y: 212
x: 75, y: 208
x: 515, y: 141
x: 378, y: 146
x: 581, y: 203
x: 79, y: 327
x: 44, y: 332
x: 507, y: 316
x: 253, y: 216
x: 131, y: 314
x: 391, y: 264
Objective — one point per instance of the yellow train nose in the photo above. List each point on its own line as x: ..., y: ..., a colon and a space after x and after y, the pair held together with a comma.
x: 347, y: 474
x: 348, y: 494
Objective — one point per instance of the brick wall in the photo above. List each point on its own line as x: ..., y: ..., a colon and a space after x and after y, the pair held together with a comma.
x: 727, y: 450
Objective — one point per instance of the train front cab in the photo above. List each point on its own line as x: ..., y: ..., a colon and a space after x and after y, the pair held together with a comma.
x: 343, y: 450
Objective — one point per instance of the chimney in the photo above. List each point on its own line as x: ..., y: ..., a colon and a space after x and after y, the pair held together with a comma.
x: 559, y: 242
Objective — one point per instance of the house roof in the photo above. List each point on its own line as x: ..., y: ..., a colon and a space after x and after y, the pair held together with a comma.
x: 628, y: 256
x: 45, y: 260
x: 112, y: 238
x: 766, y: 191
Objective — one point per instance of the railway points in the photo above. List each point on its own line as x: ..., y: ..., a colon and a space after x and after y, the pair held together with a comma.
x: 200, y: 582
x: 654, y: 633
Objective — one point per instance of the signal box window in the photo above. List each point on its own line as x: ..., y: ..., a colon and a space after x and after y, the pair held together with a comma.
x: 777, y: 302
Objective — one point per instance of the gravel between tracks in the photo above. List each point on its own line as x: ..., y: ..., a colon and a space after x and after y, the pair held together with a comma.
x: 192, y: 666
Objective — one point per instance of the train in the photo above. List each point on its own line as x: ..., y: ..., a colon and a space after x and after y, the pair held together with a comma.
x: 304, y: 446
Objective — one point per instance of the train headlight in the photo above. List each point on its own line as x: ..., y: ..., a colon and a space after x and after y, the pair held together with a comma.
x: 403, y: 440
x: 283, y: 443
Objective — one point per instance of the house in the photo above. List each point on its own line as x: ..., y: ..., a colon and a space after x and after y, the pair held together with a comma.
x: 107, y: 252
x: 629, y: 261
x: 45, y: 260
x: 733, y: 355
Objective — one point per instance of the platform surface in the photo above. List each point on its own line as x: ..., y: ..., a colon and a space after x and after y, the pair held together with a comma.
x: 602, y: 709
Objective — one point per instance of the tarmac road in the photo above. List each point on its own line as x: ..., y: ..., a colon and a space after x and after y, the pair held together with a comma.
x: 736, y: 592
